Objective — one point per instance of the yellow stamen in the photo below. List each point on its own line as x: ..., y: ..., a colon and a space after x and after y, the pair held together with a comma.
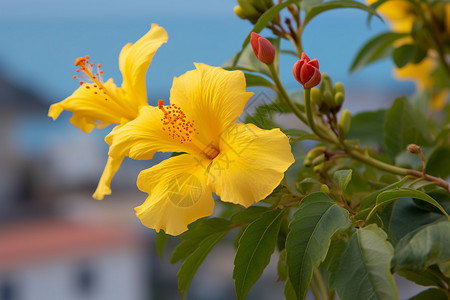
x: 86, y: 68
x: 179, y: 128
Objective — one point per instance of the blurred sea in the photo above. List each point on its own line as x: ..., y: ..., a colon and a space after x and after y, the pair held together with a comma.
x: 37, y: 53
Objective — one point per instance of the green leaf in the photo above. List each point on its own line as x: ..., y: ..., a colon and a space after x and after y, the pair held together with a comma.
x: 255, y: 248
x: 315, y: 10
x: 375, y: 49
x: 197, y: 232
x: 421, y: 277
x: 289, y: 292
x: 306, y: 5
x: 392, y: 195
x: 161, y: 238
x: 365, y: 122
x: 297, y: 135
x: 438, y: 163
x: 445, y: 268
x: 263, y: 116
x: 368, y: 202
x: 311, y: 229
x: 282, y: 265
x: 290, y: 52
x: 377, y: 3
x: 366, y: 261
x: 402, y: 55
x: 401, y: 217
x: 306, y: 185
x: 343, y: 177
x: 423, y: 248
x: 441, y: 196
x: 435, y: 294
x: 404, y: 126
x: 248, y: 215
x: 444, y: 135
x: 408, y: 53
x: 194, y: 260
x: 262, y: 22
x: 255, y: 80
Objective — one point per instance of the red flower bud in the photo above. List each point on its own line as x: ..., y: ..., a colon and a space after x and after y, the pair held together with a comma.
x: 307, y: 72
x: 262, y: 48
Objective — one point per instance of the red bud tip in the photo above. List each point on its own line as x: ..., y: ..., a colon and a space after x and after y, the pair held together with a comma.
x: 262, y: 48
x: 307, y: 72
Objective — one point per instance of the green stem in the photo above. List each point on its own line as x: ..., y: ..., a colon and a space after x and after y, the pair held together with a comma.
x: 299, y: 46
x: 314, y: 290
x: 333, y: 292
x: 311, y: 123
x: 284, y: 94
x: 395, y: 170
x: 320, y: 283
x: 376, y: 163
x: 365, y: 158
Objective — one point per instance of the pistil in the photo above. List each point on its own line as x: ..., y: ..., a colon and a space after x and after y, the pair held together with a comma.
x: 97, y: 78
x: 177, y: 126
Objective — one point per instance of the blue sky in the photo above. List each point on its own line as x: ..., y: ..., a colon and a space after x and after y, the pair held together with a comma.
x: 39, y: 41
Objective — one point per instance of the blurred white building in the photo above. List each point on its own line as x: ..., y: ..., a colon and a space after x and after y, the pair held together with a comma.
x: 59, y: 260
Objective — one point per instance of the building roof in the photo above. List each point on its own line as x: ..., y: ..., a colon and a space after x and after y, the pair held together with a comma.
x: 14, y: 97
x: 30, y: 242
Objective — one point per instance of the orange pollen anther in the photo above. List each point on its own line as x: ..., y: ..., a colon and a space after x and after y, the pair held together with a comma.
x: 175, y: 123
x: 80, y: 62
x: 88, y: 69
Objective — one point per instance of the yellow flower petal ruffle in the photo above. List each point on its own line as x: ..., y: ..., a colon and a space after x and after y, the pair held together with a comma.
x: 400, y: 14
x: 213, y: 97
x: 178, y: 194
x: 142, y: 137
x: 92, y: 108
x: 99, y: 105
x: 103, y: 187
x: 134, y: 60
x: 251, y: 164
x: 419, y: 73
x: 447, y: 17
x: 439, y: 99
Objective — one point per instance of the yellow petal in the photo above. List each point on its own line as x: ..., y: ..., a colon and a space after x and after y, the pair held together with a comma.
x: 419, y: 73
x: 447, y: 18
x: 399, y: 13
x: 142, y: 137
x: 103, y: 187
x: 92, y: 108
x: 213, y: 97
x: 251, y: 164
x: 178, y: 194
x: 134, y: 60
x: 439, y: 99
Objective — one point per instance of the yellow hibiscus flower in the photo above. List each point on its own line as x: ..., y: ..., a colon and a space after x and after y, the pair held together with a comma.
x: 401, y: 16
x: 98, y: 104
x: 239, y: 162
